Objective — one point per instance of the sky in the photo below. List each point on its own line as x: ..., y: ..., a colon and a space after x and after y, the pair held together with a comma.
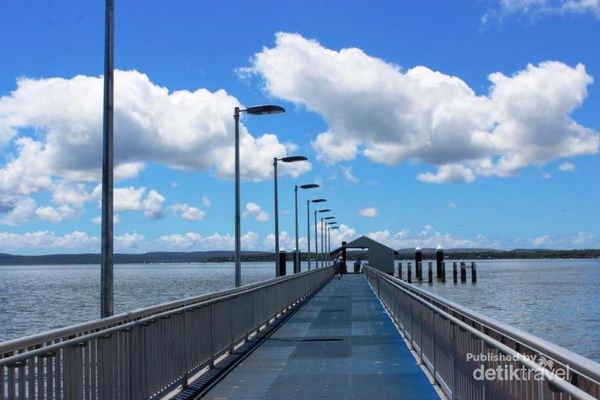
x: 471, y: 123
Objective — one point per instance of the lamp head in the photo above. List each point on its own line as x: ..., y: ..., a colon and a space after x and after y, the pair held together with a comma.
x: 318, y: 200
x: 265, y: 109
x: 309, y: 186
x: 293, y: 159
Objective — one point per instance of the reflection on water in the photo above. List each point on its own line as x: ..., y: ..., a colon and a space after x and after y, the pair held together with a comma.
x: 557, y: 300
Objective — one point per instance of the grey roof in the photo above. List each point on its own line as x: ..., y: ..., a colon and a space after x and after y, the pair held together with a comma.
x: 362, y: 242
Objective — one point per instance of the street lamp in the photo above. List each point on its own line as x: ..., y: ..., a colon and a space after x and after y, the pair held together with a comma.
x: 106, y: 269
x: 256, y: 110
x: 297, y: 251
x: 328, y: 237
x: 286, y: 160
x: 316, y: 236
x: 331, y: 227
x: 308, y: 226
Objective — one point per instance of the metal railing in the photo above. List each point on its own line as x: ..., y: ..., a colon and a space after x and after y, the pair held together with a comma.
x: 147, y: 353
x: 471, y: 356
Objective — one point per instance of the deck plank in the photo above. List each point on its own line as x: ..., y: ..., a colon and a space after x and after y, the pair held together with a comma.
x: 340, y: 345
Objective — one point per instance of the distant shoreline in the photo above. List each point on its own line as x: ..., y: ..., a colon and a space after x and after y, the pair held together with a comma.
x: 250, y: 256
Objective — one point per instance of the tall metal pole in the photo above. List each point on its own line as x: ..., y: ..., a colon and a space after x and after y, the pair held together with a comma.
x: 276, y: 218
x: 329, y: 244
x: 308, y: 230
x: 296, y: 206
x: 238, y: 244
x: 316, y: 243
x: 106, y: 285
x: 322, y: 245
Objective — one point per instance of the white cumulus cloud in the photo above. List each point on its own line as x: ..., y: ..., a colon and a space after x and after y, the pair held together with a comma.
x: 183, y: 129
x: 188, y: 212
x: 388, y: 114
x: 253, y: 210
x: 369, y: 212
x: 566, y: 167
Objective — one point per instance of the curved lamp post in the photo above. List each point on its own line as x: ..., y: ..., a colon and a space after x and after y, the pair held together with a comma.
x: 256, y: 110
x: 325, y: 210
x: 275, y: 160
x: 106, y: 270
x: 331, y: 228
x: 297, y: 251
x: 308, y: 226
x: 328, y: 221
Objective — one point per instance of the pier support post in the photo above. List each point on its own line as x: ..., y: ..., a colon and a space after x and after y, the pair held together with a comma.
x: 473, y: 272
x: 420, y: 271
x: 418, y: 260
x: 454, y: 271
x: 344, y: 270
x: 439, y: 258
x: 409, y: 273
x: 296, y: 261
x: 463, y: 272
x: 430, y: 272
x: 282, y: 263
x: 443, y: 272
x: 400, y: 270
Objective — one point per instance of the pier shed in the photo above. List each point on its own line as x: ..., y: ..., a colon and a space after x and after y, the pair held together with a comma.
x: 381, y: 257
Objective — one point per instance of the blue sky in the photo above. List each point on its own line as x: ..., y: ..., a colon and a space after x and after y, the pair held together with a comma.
x: 460, y: 124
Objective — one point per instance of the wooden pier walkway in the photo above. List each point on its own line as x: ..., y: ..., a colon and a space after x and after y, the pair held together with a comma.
x: 340, y: 345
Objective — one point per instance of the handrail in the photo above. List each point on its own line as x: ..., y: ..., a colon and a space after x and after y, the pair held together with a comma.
x: 52, y: 336
x: 449, y: 385
x: 154, y: 353
x: 577, y: 363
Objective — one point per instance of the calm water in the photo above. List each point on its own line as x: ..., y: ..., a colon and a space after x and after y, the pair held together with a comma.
x: 37, y: 298
x: 558, y: 300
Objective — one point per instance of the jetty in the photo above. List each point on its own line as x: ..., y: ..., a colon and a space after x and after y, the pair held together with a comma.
x: 369, y: 335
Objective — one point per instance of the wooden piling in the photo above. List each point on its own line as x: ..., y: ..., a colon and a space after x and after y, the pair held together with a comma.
x: 463, y: 272
x: 439, y: 259
x: 443, y: 272
x: 400, y: 270
x: 418, y: 260
x: 454, y: 271
x: 409, y: 274
x: 420, y: 271
x: 473, y: 272
x: 282, y: 263
x: 430, y: 271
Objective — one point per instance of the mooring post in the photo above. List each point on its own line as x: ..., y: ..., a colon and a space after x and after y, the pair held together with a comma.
x: 400, y: 270
x: 463, y: 272
x: 430, y: 271
x: 473, y: 272
x: 455, y: 271
x: 443, y: 271
x: 420, y: 271
x: 418, y: 260
x: 344, y: 270
x: 282, y: 263
x: 409, y: 273
x: 439, y: 258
